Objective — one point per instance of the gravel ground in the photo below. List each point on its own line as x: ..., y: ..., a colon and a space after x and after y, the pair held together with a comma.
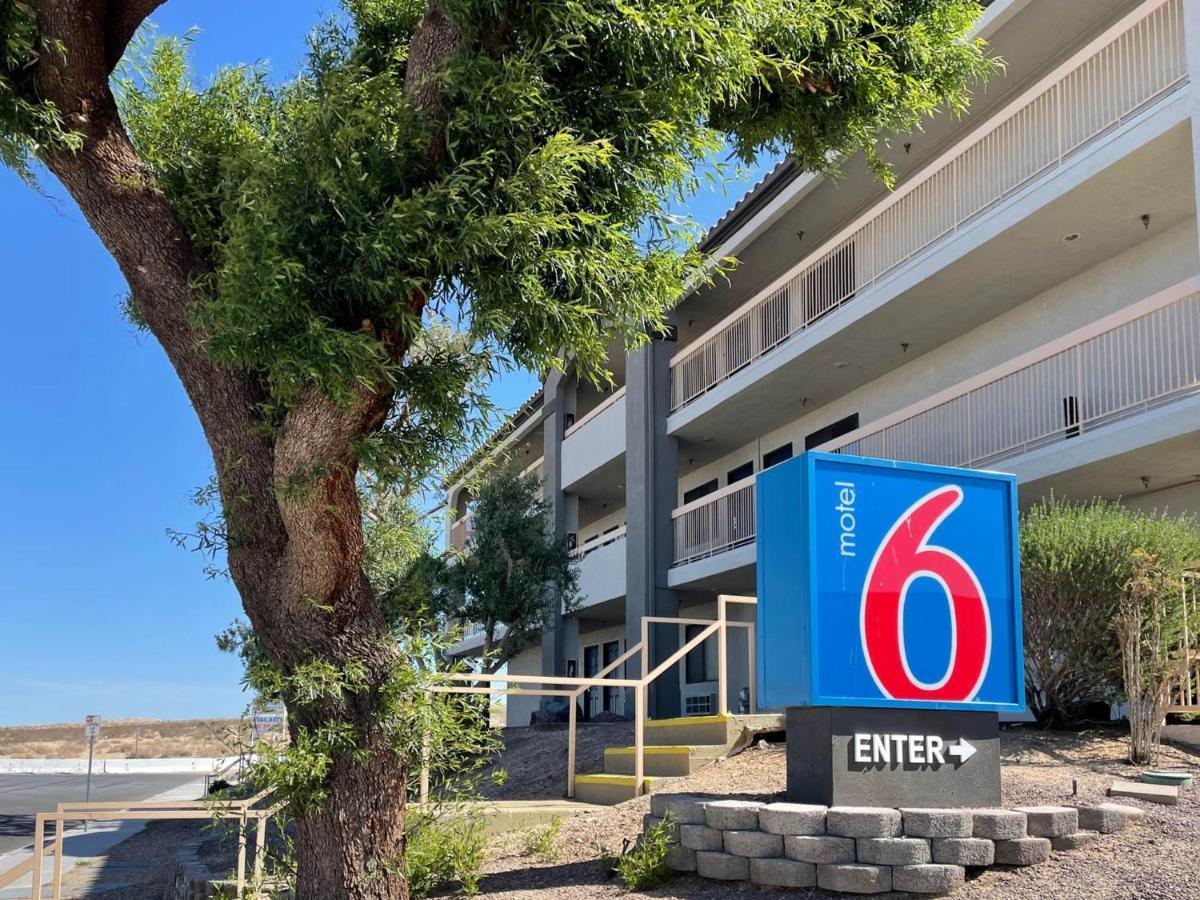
x: 1157, y: 858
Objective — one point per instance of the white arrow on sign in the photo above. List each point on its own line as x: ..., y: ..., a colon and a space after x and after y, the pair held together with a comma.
x: 962, y: 751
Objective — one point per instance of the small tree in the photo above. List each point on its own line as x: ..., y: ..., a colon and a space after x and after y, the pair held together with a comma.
x: 1145, y: 625
x: 513, y: 574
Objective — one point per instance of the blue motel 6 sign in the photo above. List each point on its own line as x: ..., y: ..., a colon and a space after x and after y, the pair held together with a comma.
x: 888, y: 584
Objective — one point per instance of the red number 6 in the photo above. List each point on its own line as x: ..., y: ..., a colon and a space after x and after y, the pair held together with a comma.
x: 904, y: 556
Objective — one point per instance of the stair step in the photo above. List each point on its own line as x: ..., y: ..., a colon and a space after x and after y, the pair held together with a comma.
x: 608, y: 789
x: 690, y: 730
x: 669, y: 761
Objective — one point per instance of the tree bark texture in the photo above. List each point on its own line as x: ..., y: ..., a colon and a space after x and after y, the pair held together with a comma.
x: 296, y: 557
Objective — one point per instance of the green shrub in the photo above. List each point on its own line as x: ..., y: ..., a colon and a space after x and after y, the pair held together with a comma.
x: 1077, y: 561
x: 445, y: 850
x: 540, y: 841
x: 648, y: 865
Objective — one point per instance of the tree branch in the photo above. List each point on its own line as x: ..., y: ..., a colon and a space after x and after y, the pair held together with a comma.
x: 124, y: 19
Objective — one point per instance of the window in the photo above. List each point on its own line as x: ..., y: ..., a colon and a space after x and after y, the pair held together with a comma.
x: 700, y: 664
x: 778, y: 455
x: 742, y: 471
x: 702, y: 491
x: 829, y: 432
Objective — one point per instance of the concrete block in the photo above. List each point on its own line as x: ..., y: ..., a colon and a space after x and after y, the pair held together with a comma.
x: 1074, y: 841
x: 1050, y: 821
x: 855, y: 879
x: 722, y: 866
x: 999, y: 824
x: 681, y: 859
x: 1167, y: 795
x: 1023, y: 851
x: 792, y: 818
x: 863, y: 821
x: 893, y: 851
x: 938, y: 823
x: 969, y: 851
x: 755, y: 844
x: 684, y: 808
x: 821, y: 848
x: 928, y: 879
x: 701, y: 837
x: 787, y: 873
x: 732, y: 815
x: 1107, y: 818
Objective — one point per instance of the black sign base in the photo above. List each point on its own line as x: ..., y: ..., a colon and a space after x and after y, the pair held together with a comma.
x: 855, y: 756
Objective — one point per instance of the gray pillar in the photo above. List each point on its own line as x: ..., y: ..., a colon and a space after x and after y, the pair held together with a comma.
x: 1191, y: 32
x: 651, y: 481
x: 554, y: 639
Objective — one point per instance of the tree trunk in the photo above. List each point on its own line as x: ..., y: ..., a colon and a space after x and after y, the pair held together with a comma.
x: 352, y: 847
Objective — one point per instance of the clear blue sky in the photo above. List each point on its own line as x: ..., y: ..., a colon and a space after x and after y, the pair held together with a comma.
x: 100, y: 451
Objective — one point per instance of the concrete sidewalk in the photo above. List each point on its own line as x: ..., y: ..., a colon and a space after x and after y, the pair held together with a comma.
x: 81, y: 847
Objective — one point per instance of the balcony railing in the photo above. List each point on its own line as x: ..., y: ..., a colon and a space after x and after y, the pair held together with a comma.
x: 536, y: 468
x: 614, y: 397
x: 1142, y: 357
x: 1128, y: 67
x: 721, y: 521
x: 596, y: 541
x: 461, y: 531
x: 1135, y: 360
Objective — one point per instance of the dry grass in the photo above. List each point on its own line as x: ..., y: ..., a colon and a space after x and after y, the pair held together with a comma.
x: 125, y: 739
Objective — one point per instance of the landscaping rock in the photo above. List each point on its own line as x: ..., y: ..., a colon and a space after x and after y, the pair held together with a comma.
x: 786, y: 873
x: 1050, y: 821
x: 863, y: 822
x: 999, y: 824
x: 938, y: 823
x: 819, y: 848
x: 1151, y: 793
x: 755, y: 844
x: 1074, y: 841
x: 684, y: 808
x: 681, y: 859
x: 701, y: 837
x: 897, y: 851
x: 928, y: 879
x: 722, y: 866
x: 1107, y: 818
x: 1023, y: 851
x: 792, y: 818
x: 732, y: 815
x: 855, y: 879
x: 969, y: 851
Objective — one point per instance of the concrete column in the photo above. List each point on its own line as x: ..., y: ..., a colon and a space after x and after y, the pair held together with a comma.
x: 650, y: 486
x: 1191, y: 33
x: 553, y: 406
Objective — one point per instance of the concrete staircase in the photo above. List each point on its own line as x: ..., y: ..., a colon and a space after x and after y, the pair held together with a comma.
x: 674, y: 748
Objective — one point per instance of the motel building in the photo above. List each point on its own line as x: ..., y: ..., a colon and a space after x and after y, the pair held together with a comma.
x: 1026, y: 300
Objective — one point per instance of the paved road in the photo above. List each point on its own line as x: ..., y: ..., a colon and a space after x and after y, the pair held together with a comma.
x: 21, y: 796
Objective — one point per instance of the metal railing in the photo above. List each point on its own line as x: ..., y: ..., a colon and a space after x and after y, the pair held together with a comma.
x: 596, y: 541
x: 609, y: 401
x: 254, y: 811
x: 1117, y: 75
x: 713, y: 524
x: 1139, y: 358
x: 1185, y: 693
x: 570, y: 688
x: 1132, y: 361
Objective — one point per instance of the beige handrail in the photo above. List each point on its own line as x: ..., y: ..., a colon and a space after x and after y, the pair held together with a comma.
x: 243, y: 811
x: 572, y: 687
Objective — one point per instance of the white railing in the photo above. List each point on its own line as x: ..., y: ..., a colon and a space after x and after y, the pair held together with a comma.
x: 1139, y: 358
x: 461, y: 531
x: 1133, y: 63
x: 720, y: 521
x: 608, y: 401
x: 537, y: 467
x: 596, y: 541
